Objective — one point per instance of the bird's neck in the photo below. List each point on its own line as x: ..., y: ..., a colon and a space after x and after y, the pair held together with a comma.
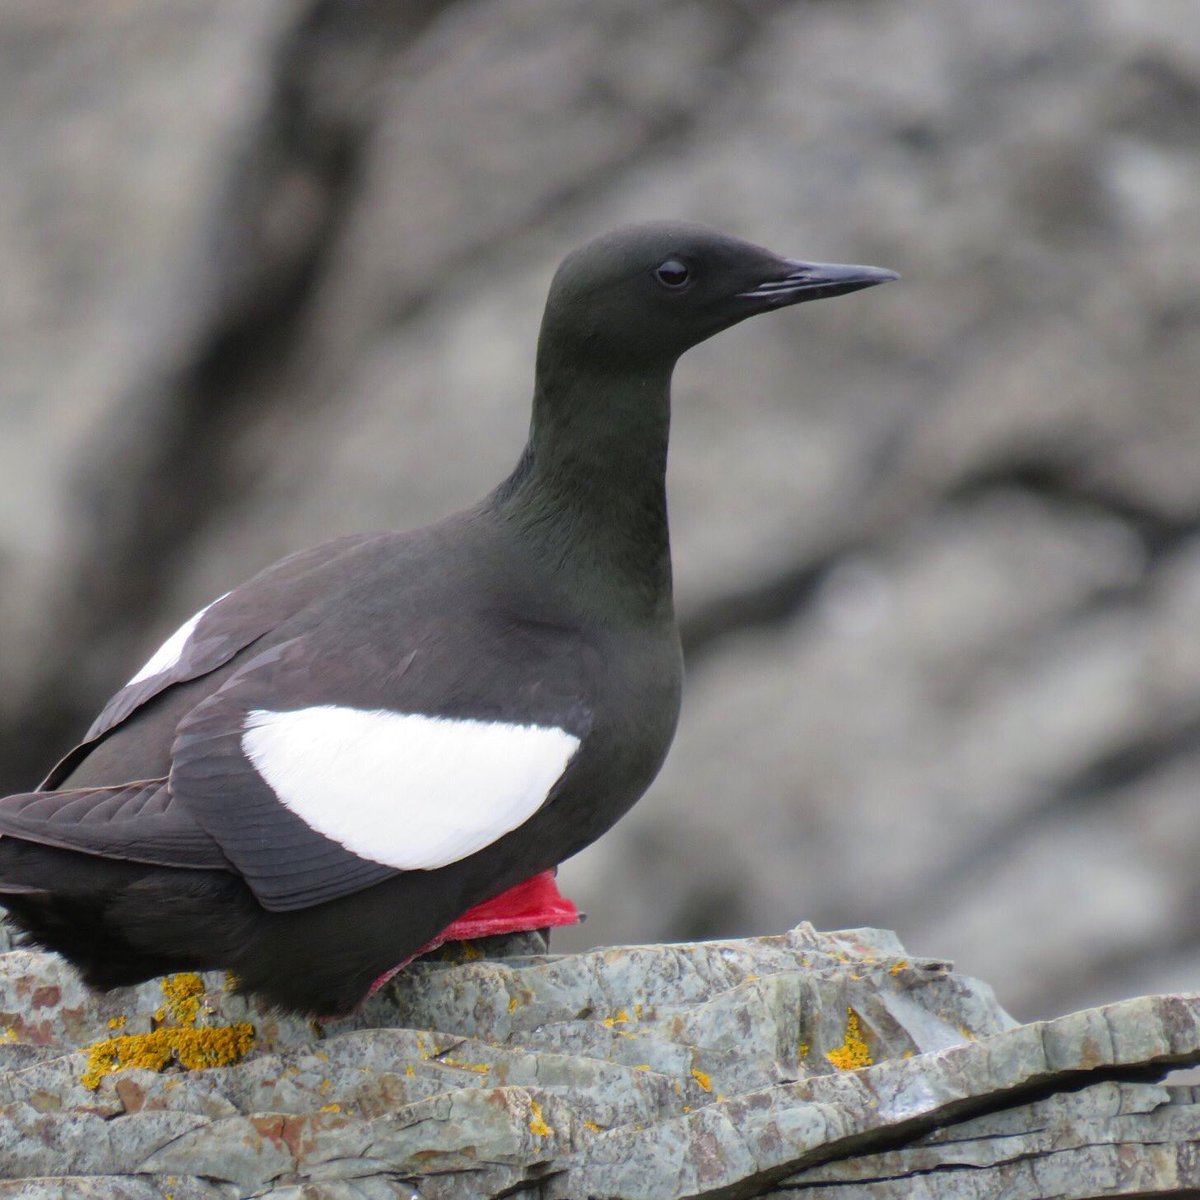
x: 589, y: 494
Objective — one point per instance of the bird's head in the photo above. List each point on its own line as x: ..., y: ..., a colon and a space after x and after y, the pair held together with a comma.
x: 646, y: 293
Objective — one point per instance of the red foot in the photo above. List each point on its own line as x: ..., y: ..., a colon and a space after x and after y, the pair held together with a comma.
x: 535, y: 904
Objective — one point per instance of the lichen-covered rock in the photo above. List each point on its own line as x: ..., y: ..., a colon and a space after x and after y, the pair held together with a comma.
x: 650, y: 1072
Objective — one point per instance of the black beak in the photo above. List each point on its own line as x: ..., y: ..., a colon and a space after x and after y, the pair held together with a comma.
x: 799, y: 281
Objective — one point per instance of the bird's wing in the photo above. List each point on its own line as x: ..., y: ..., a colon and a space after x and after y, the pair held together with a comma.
x: 311, y: 800
x: 138, y: 822
x: 210, y: 639
x: 307, y: 800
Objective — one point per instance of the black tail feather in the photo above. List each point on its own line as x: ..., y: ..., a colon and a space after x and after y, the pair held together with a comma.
x: 119, y: 923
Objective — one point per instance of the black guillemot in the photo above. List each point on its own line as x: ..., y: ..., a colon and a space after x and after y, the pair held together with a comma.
x: 393, y: 738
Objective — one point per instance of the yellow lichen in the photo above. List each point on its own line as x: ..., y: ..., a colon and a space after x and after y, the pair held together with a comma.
x: 177, y: 1040
x: 513, y: 1004
x: 620, y: 1018
x: 183, y: 993
x: 899, y: 965
x: 702, y: 1078
x: 538, y: 1126
x: 853, y: 1052
x: 330, y: 1108
x: 593, y: 1126
x: 803, y: 1049
x: 481, y: 1068
x: 192, y: 1049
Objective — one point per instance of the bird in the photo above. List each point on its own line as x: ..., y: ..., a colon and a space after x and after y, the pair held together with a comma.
x: 389, y: 738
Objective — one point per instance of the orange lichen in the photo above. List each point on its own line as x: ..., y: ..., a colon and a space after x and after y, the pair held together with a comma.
x: 899, y: 965
x: 854, y: 1051
x: 702, y: 1078
x: 481, y: 1068
x: 192, y: 1049
x: 183, y: 994
x: 176, y: 1041
x: 537, y: 1125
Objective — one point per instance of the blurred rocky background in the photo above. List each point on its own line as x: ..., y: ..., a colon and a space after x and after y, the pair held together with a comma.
x: 272, y: 270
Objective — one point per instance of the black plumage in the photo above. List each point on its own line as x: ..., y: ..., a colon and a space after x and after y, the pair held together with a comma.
x: 540, y: 619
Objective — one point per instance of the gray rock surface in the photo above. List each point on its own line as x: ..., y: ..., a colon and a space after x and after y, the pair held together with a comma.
x: 273, y: 271
x: 800, y: 1062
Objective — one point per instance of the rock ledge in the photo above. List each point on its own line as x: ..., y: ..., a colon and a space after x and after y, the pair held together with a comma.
x: 767, y: 1067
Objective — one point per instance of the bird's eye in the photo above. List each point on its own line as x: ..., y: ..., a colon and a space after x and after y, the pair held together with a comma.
x: 672, y: 273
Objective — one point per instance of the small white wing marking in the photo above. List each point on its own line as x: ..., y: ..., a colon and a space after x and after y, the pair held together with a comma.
x: 171, y: 651
x: 410, y: 791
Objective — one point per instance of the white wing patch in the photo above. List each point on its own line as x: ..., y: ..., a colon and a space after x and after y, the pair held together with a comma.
x: 171, y: 651
x: 409, y: 791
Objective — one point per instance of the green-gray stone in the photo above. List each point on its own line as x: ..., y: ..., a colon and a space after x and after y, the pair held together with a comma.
x: 718, y: 1069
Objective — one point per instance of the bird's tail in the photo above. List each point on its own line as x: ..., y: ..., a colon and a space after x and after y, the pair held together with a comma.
x: 118, y: 922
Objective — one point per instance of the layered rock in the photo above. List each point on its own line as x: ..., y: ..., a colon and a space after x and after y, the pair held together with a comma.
x: 743, y: 1068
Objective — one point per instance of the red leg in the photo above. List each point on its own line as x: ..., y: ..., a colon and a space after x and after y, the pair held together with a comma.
x: 535, y: 904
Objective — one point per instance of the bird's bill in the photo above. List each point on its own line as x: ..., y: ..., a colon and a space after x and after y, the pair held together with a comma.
x: 797, y: 281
